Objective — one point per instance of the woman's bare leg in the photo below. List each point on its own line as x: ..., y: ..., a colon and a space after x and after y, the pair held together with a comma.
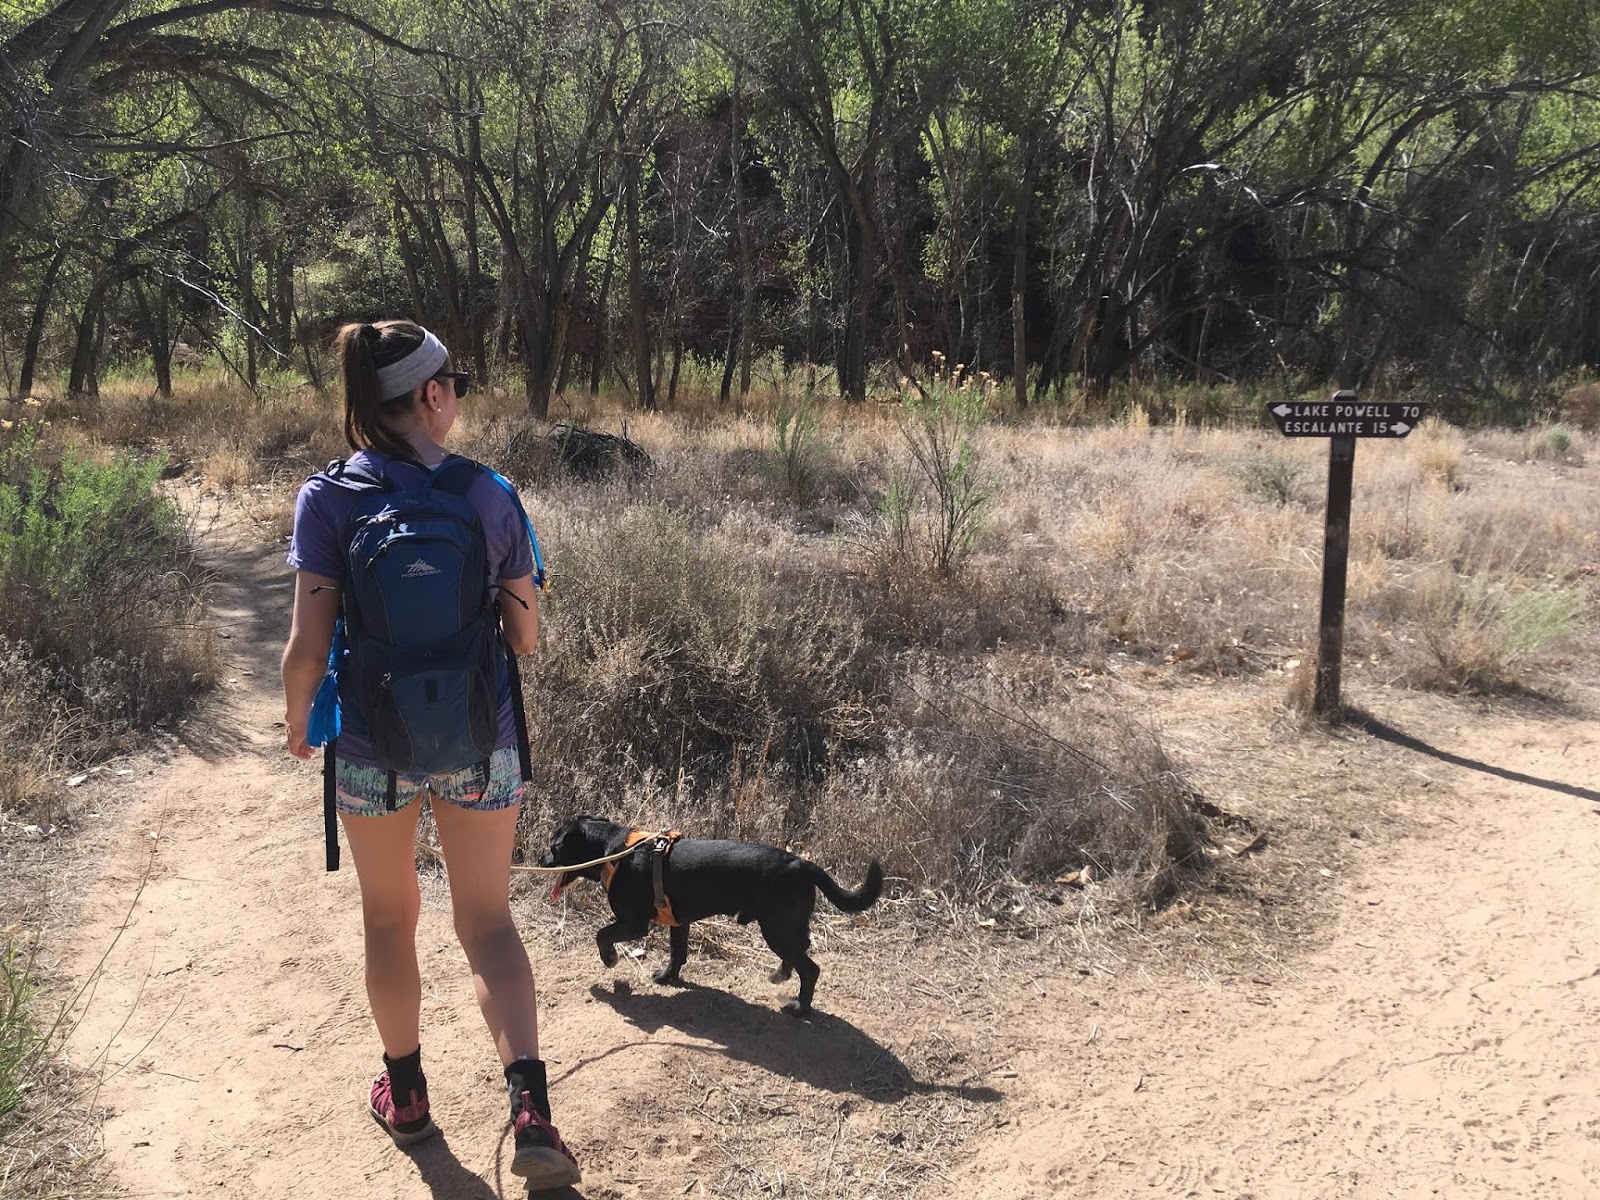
x: 477, y: 853
x: 384, y: 849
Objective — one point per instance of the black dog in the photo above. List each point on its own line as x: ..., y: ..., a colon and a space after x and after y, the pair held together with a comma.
x: 757, y: 883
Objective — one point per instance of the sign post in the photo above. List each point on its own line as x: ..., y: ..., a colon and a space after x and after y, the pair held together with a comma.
x: 1335, y: 569
x: 1343, y: 419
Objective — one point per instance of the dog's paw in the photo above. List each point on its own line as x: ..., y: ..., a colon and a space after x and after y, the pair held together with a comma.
x: 608, y: 955
x: 781, y: 975
x: 667, y: 975
x: 795, y: 1009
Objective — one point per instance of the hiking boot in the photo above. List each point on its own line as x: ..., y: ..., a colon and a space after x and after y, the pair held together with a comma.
x: 407, y: 1125
x: 541, y: 1157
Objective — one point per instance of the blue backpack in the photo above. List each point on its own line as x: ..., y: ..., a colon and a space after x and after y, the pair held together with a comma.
x: 417, y: 651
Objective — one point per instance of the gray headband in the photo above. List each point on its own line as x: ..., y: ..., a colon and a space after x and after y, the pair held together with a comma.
x: 416, y: 368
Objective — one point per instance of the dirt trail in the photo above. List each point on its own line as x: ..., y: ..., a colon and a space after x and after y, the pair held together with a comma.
x: 1441, y: 1042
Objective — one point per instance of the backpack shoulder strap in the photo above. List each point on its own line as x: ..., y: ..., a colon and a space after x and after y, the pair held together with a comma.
x: 341, y: 472
x: 540, y: 580
x: 455, y: 475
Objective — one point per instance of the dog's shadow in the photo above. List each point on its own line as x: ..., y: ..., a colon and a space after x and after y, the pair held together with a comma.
x: 822, y: 1050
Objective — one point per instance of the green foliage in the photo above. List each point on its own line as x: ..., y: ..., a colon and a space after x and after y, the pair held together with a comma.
x: 797, y: 444
x: 1531, y: 619
x: 1221, y: 187
x: 1480, y: 632
x: 941, y: 429
x: 99, y: 584
x: 1272, y: 477
x: 20, y: 1044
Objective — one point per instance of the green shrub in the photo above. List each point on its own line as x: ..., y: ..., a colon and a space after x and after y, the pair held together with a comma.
x: 100, y: 594
x: 1480, y: 633
x: 797, y: 448
x: 1271, y: 477
x: 20, y: 1044
x: 946, y: 482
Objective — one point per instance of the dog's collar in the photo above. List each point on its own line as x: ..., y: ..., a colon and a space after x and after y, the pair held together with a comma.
x: 662, y: 844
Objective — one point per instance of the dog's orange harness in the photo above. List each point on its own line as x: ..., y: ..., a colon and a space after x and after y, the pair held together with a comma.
x: 663, y: 844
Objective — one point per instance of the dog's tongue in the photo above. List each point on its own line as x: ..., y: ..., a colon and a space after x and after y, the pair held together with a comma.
x: 555, y: 892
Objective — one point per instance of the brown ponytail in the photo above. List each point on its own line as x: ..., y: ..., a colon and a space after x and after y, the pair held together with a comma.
x: 362, y: 350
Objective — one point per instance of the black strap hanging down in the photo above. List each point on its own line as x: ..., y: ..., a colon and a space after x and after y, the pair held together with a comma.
x: 658, y: 864
x: 519, y: 711
x: 330, y: 806
x: 389, y: 791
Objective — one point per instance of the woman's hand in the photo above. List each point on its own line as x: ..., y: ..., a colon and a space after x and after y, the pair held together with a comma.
x: 295, y: 733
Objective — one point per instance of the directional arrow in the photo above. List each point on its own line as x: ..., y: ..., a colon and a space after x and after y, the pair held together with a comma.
x: 1346, y: 418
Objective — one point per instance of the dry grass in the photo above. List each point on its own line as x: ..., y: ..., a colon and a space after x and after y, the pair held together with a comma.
x: 1108, y: 551
x: 47, y: 1140
x: 737, y: 640
x: 1170, y: 553
x: 1580, y: 406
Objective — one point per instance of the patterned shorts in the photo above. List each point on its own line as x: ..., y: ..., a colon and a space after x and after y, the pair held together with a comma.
x: 363, y: 791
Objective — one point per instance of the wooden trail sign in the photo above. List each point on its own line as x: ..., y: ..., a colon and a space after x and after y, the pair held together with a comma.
x: 1343, y: 419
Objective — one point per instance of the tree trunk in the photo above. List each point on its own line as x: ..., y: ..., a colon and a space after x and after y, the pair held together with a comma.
x: 444, y: 259
x: 854, y: 385
x: 383, y: 274
x: 729, y: 362
x: 154, y: 320
x: 247, y: 288
x: 1019, y: 284
x: 474, y: 309
x: 672, y: 379
x: 602, y: 323
x: 408, y: 261
x: 745, y: 323
x: 285, y: 331
x: 645, y: 393
x: 84, y: 378
x: 565, y: 372
x: 41, y: 309
x: 535, y: 370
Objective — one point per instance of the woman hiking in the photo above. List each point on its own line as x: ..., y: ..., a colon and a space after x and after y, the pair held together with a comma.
x: 401, y: 397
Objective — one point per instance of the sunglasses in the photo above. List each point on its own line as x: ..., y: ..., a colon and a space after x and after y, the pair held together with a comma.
x: 462, y: 381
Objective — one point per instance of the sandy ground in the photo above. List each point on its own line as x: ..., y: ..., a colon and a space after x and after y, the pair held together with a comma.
x: 1437, y: 1038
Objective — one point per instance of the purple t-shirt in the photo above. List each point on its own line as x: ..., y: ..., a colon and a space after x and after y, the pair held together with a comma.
x: 317, y: 546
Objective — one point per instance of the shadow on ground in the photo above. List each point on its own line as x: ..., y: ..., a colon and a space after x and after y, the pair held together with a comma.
x: 824, y: 1051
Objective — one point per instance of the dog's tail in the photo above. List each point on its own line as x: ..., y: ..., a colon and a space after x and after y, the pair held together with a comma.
x: 859, y: 900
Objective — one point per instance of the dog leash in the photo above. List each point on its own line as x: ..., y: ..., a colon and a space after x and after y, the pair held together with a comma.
x: 583, y: 866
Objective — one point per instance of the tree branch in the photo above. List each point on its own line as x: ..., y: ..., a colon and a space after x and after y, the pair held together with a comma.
x: 129, y: 31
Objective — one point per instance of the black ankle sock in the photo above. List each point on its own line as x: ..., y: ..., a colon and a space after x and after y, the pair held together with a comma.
x: 405, y: 1076
x: 527, y: 1075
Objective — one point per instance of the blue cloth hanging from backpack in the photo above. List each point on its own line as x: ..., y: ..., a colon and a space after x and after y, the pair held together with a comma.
x: 324, y: 724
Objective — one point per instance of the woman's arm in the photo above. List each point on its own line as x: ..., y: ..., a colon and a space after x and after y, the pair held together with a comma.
x: 305, y: 658
x: 520, y: 622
